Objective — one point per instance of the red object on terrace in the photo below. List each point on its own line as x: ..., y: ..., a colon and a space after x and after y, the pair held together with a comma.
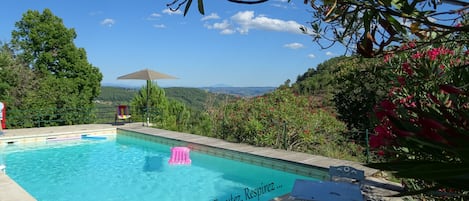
x: 123, y: 113
x: 3, y: 115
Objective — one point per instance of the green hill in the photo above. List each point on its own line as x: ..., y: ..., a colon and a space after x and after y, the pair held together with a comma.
x: 195, y: 98
x: 240, y: 91
x: 116, y: 94
x: 192, y: 97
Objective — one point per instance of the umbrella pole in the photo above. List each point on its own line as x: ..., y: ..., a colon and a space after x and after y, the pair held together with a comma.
x: 148, y: 96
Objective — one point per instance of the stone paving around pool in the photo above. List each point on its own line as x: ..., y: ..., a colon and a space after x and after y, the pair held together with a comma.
x: 375, y: 188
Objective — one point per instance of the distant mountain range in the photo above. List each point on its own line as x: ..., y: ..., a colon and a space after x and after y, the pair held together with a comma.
x: 240, y: 91
x: 220, y: 89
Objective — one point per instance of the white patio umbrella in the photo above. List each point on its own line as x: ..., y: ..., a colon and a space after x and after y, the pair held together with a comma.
x: 148, y: 75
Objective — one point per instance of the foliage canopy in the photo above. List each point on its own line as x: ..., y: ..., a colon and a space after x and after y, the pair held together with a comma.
x: 43, y: 49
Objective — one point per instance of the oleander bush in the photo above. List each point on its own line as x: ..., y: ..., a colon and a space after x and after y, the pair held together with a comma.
x: 423, y: 128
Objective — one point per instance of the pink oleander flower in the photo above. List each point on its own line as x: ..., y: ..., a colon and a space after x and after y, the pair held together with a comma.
x: 401, y: 80
x: 433, y: 98
x: 417, y: 55
x: 445, y: 51
x: 387, y: 57
x: 379, y: 113
x: 382, y: 137
x: 411, y: 105
x: 380, y: 153
x: 455, y: 62
x: 406, y: 67
x: 402, y: 100
x: 433, y: 53
x: 442, y: 67
x: 388, y: 105
x: 404, y: 47
x: 383, y: 131
x: 394, y: 90
x: 407, y: 102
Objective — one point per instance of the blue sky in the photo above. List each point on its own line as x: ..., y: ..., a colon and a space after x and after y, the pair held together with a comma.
x: 232, y: 44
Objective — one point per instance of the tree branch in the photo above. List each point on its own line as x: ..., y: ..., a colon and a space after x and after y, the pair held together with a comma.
x: 174, y: 2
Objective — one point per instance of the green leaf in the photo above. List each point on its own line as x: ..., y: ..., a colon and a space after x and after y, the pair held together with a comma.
x: 188, y: 5
x: 396, y: 24
x: 385, y: 2
x: 201, y: 7
x: 397, y: 4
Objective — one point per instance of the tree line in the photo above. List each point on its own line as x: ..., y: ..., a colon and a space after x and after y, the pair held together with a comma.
x: 44, y: 76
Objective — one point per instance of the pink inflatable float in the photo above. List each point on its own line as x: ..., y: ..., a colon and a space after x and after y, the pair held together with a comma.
x: 180, y: 156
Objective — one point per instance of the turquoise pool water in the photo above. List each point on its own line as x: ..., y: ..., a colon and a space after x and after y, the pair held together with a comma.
x: 132, y: 169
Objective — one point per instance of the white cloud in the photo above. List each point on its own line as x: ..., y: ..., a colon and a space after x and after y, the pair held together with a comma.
x: 224, y: 27
x: 244, y: 21
x: 169, y: 12
x: 155, y: 15
x: 212, y: 16
x: 311, y: 56
x: 294, y: 45
x: 328, y: 53
x: 108, y: 22
x: 159, y: 26
x: 227, y: 31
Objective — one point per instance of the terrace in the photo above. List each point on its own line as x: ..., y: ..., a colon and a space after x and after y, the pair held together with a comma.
x: 377, y: 188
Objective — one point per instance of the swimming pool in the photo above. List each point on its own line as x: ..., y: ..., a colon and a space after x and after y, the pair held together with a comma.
x: 126, y: 168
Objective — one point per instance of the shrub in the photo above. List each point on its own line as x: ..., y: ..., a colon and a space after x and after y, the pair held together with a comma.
x: 283, y: 119
x: 424, y: 122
